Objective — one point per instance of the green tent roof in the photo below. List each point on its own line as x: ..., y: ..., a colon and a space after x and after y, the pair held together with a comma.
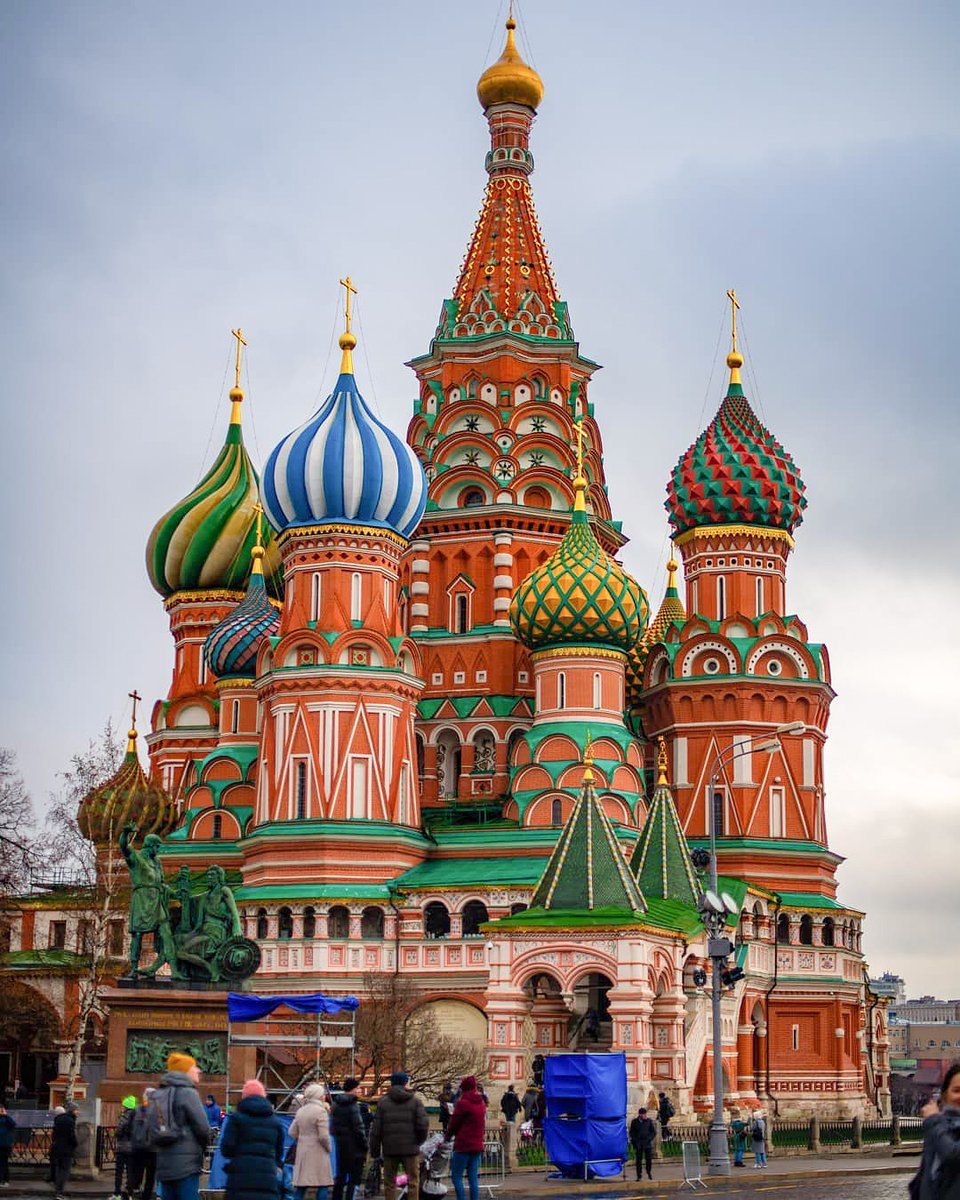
x: 587, y: 869
x: 464, y: 872
x: 661, y: 860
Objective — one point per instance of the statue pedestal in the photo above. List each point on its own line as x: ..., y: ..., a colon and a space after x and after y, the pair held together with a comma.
x: 147, y: 1023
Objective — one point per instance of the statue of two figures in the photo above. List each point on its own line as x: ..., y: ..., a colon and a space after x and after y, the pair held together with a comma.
x: 201, y: 938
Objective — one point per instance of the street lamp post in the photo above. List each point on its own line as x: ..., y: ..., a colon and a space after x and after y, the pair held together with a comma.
x: 714, y: 911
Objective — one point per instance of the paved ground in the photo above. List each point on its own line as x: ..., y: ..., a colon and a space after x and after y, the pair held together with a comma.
x: 847, y: 1177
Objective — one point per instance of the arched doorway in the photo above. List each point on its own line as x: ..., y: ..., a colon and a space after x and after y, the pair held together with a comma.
x: 547, y: 1028
x: 30, y: 1029
x: 448, y: 764
x: 591, y: 1027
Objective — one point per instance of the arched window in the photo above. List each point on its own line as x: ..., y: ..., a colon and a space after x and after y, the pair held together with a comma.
x: 561, y: 690
x: 806, y: 930
x: 462, y: 610
x: 301, y: 790
x: 536, y: 497
x: 315, y: 596
x: 235, y: 717
x: 421, y: 757
x: 263, y: 927
x: 519, y: 907
x: 371, y: 922
x: 474, y: 915
x: 217, y: 831
x: 338, y: 922
x: 436, y: 920
x: 285, y: 923
x: 356, y: 594
x: 597, y: 690
x: 760, y: 608
x: 721, y: 597
x: 309, y: 922
x: 783, y: 928
x: 556, y: 812
x: 828, y: 931
x: 473, y: 498
x: 717, y: 809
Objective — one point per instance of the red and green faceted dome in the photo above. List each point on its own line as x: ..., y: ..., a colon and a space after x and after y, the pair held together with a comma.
x: 735, y: 473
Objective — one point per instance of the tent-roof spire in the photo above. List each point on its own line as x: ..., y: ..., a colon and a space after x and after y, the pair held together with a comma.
x: 661, y: 860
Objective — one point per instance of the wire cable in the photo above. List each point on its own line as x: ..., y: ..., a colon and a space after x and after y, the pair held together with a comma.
x: 366, y: 358
x: 748, y: 363
x: 216, y: 415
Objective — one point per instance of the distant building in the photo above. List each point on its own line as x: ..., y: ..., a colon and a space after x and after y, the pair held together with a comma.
x: 889, y: 987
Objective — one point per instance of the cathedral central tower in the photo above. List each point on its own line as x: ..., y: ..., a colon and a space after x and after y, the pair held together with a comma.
x: 501, y: 391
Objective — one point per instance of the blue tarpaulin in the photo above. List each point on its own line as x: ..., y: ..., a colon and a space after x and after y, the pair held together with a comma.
x: 586, y: 1123
x: 242, y: 1006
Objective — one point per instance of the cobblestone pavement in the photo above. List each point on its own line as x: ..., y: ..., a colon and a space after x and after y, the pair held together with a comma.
x: 844, y: 1187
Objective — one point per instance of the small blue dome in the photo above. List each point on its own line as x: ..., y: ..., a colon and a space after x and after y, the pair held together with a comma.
x: 343, y: 465
x: 231, y: 647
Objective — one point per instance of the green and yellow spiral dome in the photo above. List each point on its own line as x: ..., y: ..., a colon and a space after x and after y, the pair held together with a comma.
x: 205, y: 542
x: 580, y: 596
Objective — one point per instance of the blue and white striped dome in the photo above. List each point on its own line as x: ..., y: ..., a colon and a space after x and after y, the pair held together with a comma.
x: 343, y: 465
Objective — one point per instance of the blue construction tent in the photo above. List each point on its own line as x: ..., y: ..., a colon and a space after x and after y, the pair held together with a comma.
x: 586, y: 1123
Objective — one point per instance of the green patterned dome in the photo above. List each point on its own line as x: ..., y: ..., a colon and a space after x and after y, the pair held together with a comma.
x: 126, y: 796
x: 580, y: 596
x: 205, y: 542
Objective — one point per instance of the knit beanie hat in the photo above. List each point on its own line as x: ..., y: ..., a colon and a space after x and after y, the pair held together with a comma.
x: 128, y: 1102
x: 253, y: 1087
x: 399, y: 1079
x: 180, y: 1062
x: 350, y: 1083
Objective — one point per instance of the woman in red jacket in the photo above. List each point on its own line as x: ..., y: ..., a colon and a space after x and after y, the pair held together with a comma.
x: 466, y: 1127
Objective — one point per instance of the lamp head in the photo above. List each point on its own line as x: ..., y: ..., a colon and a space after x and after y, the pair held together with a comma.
x: 793, y: 727
x: 768, y: 746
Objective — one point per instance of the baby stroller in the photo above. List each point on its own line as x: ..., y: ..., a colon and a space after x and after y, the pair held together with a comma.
x: 434, y: 1164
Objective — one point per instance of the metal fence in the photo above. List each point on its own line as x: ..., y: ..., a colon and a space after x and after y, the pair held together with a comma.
x: 106, y: 1148
x: 31, y: 1146
x: 788, y: 1134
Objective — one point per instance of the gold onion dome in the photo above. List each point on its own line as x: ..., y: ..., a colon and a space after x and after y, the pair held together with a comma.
x: 126, y: 796
x: 580, y: 596
x: 510, y: 80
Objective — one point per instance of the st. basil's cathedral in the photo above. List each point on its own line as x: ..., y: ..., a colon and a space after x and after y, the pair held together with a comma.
x: 429, y: 724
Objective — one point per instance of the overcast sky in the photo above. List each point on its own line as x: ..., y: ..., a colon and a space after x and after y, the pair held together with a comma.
x: 170, y: 171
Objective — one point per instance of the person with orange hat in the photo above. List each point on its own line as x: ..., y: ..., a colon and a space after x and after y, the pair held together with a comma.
x: 179, y: 1129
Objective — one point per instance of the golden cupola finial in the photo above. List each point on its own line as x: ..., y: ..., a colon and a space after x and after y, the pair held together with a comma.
x: 580, y: 479
x: 510, y: 80
x: 588, y: 760
x: 236, y: 392
x: 734, y: 358
x: 257, y: 551
x: 661, y: 762
x: 348, y: 339
x: 132, y: 733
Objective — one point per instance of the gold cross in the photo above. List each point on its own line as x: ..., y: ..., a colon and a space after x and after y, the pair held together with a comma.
x: 734, y: 305
x: 580, y: 446
x: 351, y: 292
x: 241, y: 341
x: 135, y: 697
x: 258, y: 509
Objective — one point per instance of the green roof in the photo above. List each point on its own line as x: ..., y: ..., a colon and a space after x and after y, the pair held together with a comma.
x: 455, y: 872
x: 587, y: 869
x: 661, y: 860
x: 315, y: 891
x: 668, y: 915
x: 24, y: 959
x: 811, y: 900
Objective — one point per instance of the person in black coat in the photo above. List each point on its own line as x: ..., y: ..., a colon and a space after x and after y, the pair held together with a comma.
x: 643, y: 1133
x: 939, y: 1174
x: 510, y: 1104
x: 8, y: 1133
x: 350, y: 1135
x: 253, y: 1147
x: 63, y: 1147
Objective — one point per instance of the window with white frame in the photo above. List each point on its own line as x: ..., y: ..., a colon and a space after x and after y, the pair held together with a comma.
x: 778, y: 812
x: 461, y: 613
x: 300, y: 789
x: 402, y: 793
x: 721, y: 597
x: 315, y: 596
x: 235, y: 716
x: 202, y: 673
x: 743, y: 759
x: 760, y: 607
x: 716, y: 806
x: 561, y: 689
x: 356, y: 596
x: 359, y: 787
x: 597, y: 690
x: 387, y: 593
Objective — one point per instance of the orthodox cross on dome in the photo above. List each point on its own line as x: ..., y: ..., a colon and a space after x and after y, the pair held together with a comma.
x: 347, y: 339
x: 588, y: 758
x: 241, y: 342
x: 236, y: 392
x: 661, y: 762
x: 132, y: 735
x: 734, y: 358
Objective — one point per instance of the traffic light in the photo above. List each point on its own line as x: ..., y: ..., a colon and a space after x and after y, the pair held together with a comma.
x: 730, y: 976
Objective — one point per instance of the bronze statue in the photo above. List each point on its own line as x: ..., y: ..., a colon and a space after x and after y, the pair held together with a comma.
x: 149, y: 904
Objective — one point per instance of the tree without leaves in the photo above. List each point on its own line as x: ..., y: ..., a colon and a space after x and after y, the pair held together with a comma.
x: 96, y: 887
x: 17, y: 852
